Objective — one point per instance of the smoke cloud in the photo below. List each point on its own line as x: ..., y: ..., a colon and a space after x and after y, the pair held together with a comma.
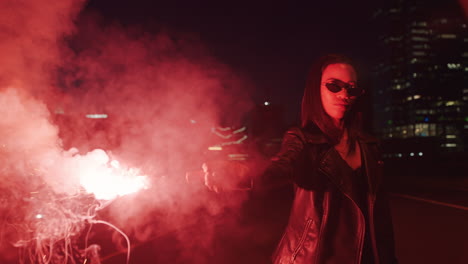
x: 161, y: 93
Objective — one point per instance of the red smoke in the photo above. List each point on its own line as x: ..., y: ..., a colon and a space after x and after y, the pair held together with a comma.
x: 464, y: 6
x: 162, y: 93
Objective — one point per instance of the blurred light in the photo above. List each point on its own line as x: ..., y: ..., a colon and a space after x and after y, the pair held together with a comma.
x: 417, y: 96
x: 266, y: 103
x: 215, y: 148
x: 451, y: 136
x: 453, y: 65
x: 420, y: 154
x: 96, y: 116
x: 193, y: 121
x: 242, y: 129
x: 39, y: 216
x: 400, y: 155
x: 411, y: 154
x: 238, y: 156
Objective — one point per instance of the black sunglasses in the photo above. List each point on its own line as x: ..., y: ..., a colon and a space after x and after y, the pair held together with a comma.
x: 337, y: 85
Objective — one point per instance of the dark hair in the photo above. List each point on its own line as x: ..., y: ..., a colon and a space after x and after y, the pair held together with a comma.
x: 312, y: 112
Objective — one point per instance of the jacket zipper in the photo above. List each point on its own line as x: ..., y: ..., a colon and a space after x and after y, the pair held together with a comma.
x: 361, y: 242
x: 301, y: 242
x: 372, y: 230
x: 322, y: 226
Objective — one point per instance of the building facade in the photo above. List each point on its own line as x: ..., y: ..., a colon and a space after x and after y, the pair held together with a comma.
x: 421, y: 79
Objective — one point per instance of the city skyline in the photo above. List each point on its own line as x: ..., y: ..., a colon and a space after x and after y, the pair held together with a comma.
x: 422, y: 80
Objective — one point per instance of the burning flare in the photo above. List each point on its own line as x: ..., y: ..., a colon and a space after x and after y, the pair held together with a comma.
x: 108, y: 179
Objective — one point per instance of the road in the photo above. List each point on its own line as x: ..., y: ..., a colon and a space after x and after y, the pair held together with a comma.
x: 430, y: 223
x: 430, y: 220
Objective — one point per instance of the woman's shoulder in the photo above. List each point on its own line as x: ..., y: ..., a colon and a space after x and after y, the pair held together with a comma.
x: 306, y: 135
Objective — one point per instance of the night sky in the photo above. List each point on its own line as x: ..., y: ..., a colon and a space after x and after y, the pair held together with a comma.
x: 272, y: 44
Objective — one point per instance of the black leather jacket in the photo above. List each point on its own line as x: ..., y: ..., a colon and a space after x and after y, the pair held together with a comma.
x: 325, y: 224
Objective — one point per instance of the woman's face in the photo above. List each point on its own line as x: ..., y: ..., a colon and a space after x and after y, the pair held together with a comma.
x: 336, y: 104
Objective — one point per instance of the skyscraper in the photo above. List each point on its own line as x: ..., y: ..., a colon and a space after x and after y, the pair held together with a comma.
x: 421, y: 79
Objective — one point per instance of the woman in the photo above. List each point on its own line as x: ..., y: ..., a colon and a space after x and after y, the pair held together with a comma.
x: 340, y: 213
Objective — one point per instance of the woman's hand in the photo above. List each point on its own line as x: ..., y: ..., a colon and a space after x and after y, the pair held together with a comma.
x: 226, y: 175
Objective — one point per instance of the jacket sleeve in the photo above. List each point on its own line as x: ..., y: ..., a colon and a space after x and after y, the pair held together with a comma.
x: 281, y: 167
x: 385, y: 218
x: 385, y: 215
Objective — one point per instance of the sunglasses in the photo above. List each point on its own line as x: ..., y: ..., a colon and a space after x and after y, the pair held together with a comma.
x: 337, y: 85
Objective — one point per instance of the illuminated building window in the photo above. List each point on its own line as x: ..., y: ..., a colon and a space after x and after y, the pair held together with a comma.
x: 415, y: 75
x: 414, y: 60
x: 447, y: 36
x: 452, y: 103
x: 421, y: 39
x: 421, y: 24
x: 397, y: 87
x: 409, y: 98
x: 449, y: 145
x: 416, y: 96
x: 421, y: 129
x: 419, y: 31
x: 465, y: 90
x: 419, y: 53
x: 451, y: 136
x: 465, y: 98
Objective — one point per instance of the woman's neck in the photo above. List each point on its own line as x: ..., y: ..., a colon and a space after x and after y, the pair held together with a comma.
x: 339, y: 123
